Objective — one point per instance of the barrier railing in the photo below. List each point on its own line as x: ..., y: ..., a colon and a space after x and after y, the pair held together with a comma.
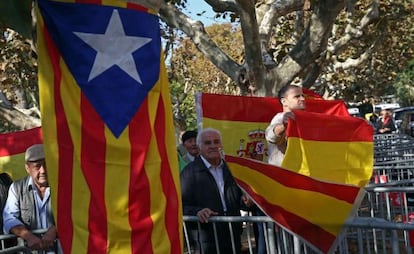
x: 362, y: 235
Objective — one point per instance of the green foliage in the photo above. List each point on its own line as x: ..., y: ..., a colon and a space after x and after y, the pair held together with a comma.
x: 184, y: 109
x: 404, y: 85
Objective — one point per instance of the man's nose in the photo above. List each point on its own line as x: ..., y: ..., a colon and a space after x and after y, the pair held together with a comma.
x: 42, y: 169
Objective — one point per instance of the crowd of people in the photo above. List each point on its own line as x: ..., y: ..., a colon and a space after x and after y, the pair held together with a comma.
x: 207, y: 186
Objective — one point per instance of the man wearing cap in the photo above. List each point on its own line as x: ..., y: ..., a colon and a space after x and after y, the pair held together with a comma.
x: 28, y: 206
x: 188, y: 149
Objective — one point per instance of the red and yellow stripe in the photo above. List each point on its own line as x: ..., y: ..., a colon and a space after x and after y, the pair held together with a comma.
x: 110, y: 194
x: 315, y: 210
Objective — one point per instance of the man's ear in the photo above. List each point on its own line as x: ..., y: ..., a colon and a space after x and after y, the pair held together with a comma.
x: 283, y: 101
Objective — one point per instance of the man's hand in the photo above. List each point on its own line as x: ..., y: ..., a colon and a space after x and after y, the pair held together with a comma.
x: 204, y: 214
x: 248, y: 202
x: 287, y: 116
x: 33, y: 242
x: 48, y: 239
x: 279, y: 129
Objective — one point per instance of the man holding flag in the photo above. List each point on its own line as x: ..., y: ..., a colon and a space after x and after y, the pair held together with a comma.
x: 292, y: 98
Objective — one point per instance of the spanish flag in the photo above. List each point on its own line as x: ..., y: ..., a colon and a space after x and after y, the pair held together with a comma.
x: 243, y: 119
x: 13, y: 146
x: 330, y: 148
x: 328, y: 161
x: 312, y: 209
x: 107, y: 128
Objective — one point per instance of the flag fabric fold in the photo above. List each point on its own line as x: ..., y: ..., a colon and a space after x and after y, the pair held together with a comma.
x: 312, y: 209
x: 108, y: 130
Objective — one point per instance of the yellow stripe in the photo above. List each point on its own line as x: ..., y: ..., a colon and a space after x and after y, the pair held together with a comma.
x: 235, y: 133
x: 340, y: 162
x: 47, y: 102
x: 152, y: 169
x: 325, y: 211
x: 71, y: 95
x: 117, y: 176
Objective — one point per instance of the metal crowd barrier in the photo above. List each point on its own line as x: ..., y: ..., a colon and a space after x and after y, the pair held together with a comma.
x: 362, y: 235
x: 18, y: 244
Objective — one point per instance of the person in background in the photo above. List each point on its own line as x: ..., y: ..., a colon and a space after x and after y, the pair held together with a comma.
x: 188, y: 149
x: 385, y: 124
x: 28, y: 205
x: 209, y: 189
x: 373, y: 120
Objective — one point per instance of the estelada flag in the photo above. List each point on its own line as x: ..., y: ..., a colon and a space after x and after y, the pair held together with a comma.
x: 243, y: 119
x: 312, y: 209
x: 13, y: 146
x: 107, y: 128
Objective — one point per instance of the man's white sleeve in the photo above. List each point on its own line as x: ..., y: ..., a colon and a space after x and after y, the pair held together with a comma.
x: 277, y: 119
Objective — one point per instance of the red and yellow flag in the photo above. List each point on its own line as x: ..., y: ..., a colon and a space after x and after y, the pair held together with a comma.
x: 330, y: 148
x: 314, y: 210
x: 13, y: 146
x: 243, y: 119
x: 108, y: 130
x: 328, y: 161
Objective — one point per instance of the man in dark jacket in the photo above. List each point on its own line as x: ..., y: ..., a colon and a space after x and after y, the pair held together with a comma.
x: 208, y: 189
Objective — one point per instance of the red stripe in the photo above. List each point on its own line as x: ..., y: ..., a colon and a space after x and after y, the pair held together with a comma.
x: 17, y: 142
x: 136, y: 7
x: 294, y: 180
x: 65, y: 154
x: 169, y: 188
x: 139, y: 185
x: 321, y: 127
x: 312, y: 233
x: 131, y: 6
x: 259, y: 109
x: 239, y: 108
x: 93, y: 148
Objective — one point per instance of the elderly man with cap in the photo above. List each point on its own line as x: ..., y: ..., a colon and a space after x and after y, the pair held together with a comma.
x: 28, y: 206
x: 188, y: 149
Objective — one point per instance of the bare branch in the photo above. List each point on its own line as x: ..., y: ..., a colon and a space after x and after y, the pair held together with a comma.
x: 277, y: 9
x: 353, y: 62
x: 254, y: 63
x: 355, y: 32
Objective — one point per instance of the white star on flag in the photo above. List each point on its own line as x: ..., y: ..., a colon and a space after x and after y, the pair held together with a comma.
x: 114, y: 48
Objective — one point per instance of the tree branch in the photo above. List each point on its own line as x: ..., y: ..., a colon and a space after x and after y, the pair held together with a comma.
x: 195, y: 30
x: 311, y: 44
x: 255, y: 68
x: 355, y: 32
